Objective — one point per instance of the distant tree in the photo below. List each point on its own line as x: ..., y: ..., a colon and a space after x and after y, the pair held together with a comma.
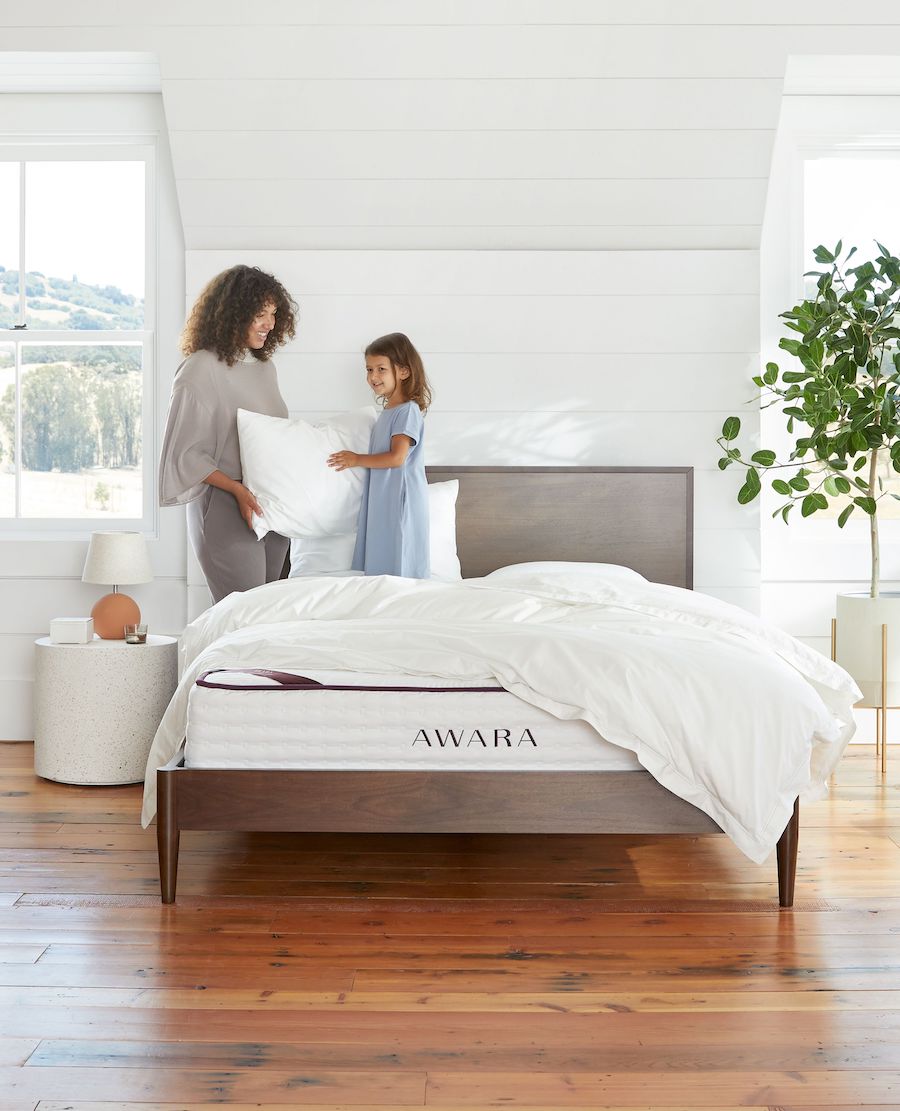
x: 117, y: 403
x: 83, y: 321
x: 106, y: 356
x: 57, y: 432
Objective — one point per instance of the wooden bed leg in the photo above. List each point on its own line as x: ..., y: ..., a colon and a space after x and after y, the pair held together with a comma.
x: 787, y: 858
x: 167, y: 834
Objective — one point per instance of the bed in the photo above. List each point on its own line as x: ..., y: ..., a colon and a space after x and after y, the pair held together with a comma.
x: 637, y: 517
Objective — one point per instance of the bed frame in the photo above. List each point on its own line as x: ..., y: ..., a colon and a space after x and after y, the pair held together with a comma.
x: 641, y: 517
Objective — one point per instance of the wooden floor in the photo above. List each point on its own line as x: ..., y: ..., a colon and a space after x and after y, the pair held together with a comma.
x: 443, y: 971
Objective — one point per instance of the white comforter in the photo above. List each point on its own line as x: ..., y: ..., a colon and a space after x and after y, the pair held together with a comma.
x: 727, y: 712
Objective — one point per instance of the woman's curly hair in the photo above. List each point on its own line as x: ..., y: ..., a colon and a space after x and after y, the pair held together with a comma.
x: 224, y: 311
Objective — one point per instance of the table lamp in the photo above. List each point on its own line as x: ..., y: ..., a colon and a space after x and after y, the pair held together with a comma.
x: 114, y: 558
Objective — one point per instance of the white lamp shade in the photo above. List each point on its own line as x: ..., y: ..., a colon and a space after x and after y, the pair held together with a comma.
x: 117, y: 558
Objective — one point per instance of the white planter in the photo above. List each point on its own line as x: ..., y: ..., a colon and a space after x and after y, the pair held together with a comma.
x: 858, y: 643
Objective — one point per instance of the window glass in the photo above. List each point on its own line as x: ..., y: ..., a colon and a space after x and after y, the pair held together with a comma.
x: 81, y: 430
x: 73, y: 405
x: 9, y: 244
x: 854, y: 201
x: 84, y: 245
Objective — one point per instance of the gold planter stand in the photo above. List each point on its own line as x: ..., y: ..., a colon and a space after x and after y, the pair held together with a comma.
x: 880, y: 711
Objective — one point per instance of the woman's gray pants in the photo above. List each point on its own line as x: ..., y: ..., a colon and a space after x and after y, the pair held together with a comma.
x: 229, y: 553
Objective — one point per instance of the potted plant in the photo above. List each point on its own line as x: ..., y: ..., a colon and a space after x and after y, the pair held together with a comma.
x: 840, y: 400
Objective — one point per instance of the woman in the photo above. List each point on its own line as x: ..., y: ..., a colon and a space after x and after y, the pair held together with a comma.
x: 241, y: 317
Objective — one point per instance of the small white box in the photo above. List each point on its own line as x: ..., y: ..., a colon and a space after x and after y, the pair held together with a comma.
x: 72, y: 630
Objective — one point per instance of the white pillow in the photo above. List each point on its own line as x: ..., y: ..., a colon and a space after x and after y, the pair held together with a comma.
x: 323, y: 555
x: 284, y: 463
x: 599, y: 571
x: 442, y: 530
x: 332, y: 555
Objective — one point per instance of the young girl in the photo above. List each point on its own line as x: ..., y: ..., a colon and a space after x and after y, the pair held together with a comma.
x: 392, y: 537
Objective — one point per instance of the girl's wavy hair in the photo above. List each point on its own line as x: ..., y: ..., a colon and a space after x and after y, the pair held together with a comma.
x: 226, y: 308
x: 399, y: 350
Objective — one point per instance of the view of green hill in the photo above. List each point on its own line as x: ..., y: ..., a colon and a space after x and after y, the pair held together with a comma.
x: 55, y: 303
x: 77, y: 411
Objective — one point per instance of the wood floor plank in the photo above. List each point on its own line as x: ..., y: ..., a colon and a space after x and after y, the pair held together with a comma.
x: 78, y: 1105
x: 448, y: 1031
x: 576, y: 982
x: 248, y: 1085
x: 580, y: 1053
x: 202, y: 977
x: 129, y: 1105
x: 615, y: 952
x: 413, y: 1002
x: 661, y: 1089
x: 473, y: 1028
x: 16, y: 1050
x: 21, y: 953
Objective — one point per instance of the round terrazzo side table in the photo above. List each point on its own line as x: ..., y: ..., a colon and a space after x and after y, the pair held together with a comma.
x: 97, y: 707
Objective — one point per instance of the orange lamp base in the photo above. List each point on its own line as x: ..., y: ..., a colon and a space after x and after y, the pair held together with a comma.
x: 112, y: 613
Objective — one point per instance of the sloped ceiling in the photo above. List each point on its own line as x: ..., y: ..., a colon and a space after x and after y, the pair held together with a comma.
x: 467, y: 123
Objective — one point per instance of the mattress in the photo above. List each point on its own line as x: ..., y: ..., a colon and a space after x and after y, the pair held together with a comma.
x: 256, y: 718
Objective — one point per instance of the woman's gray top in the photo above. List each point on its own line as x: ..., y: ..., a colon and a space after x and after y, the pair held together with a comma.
x: 201, y: 429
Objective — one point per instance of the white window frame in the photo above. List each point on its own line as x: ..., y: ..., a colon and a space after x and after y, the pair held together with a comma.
x: 111, y: 147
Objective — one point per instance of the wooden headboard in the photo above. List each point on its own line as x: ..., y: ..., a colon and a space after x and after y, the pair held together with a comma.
x: 640, y: 517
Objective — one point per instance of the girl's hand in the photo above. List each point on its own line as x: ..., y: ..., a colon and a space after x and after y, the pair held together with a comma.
x: 247, y: 504
x: 341, y: 460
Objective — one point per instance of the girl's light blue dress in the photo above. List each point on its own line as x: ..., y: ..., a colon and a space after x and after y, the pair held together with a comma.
x: 392, y: 537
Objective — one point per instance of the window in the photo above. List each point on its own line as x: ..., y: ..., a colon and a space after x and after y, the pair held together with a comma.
x: 75, y: 336
x: 852, y: 198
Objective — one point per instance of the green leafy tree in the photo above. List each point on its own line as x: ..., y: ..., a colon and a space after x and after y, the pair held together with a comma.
x: 57, y: 432
x: 84, y: 322
x: 841, y: 394
x: 116, y: 399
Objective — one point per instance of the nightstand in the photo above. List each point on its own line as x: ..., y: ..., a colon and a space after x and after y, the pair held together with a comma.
x: 98, y: 705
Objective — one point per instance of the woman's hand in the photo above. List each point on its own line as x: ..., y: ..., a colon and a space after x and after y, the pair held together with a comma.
x: 247, y: 504
x: 341, y: 460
